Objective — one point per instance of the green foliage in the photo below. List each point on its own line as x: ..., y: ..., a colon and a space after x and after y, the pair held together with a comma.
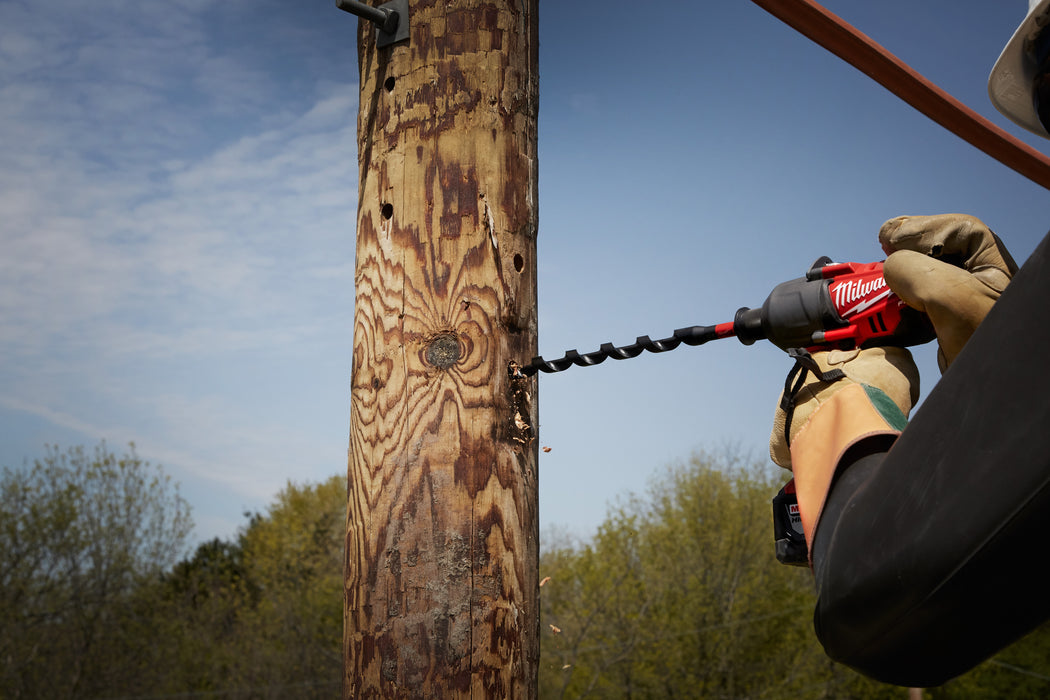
x: 198, y: 610
x: 679, y: 596
x: 262, y: 618
x: 95, y: 601
x: 80, y: 535
x: 295, y: 557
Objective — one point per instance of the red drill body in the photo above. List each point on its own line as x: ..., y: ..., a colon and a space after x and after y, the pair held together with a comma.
x: 841, y: 305
x: 836, y: 305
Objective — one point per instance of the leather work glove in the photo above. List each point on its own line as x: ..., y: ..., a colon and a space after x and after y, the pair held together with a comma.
x: 889, y: 369
x: 835, y: 399
x: 950, y: 266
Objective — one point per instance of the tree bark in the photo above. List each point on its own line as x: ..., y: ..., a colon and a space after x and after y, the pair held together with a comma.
x: 441, y: 594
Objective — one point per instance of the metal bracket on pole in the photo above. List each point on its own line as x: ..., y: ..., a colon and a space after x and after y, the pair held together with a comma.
x: 391, y: 19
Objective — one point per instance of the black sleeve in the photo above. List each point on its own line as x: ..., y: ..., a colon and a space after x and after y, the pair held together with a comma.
x: 930, y: 555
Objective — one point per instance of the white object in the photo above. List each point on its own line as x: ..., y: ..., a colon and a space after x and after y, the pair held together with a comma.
x: 1010, y: 84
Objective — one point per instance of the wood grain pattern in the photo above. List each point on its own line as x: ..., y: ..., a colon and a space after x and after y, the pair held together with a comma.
x: 442, y: 528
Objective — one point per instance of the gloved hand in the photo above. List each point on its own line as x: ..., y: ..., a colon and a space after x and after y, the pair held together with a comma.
x: 953, y: 268
x: 950, y: 266
x: 889, y: 369
x: 837, y: 399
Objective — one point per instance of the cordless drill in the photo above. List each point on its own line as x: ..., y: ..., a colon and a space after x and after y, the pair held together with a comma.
x: 841, y: 305
x: 836, y: 305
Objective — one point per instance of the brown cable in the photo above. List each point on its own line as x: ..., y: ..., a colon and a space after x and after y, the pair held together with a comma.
x: 859, y: 50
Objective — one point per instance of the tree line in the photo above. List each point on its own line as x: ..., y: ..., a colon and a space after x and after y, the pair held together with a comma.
x: 677, y: 595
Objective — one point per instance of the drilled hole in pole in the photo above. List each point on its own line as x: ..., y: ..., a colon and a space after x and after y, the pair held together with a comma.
x: 387, y: 211
x: 519, y: 262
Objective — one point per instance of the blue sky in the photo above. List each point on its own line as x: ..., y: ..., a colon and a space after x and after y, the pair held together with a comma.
x: 178, y: 197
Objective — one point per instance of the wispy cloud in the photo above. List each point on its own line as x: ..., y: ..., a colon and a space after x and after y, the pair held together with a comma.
x: 168, y: 205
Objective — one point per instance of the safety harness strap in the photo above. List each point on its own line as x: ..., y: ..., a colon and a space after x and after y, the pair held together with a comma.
x: 796, y: 379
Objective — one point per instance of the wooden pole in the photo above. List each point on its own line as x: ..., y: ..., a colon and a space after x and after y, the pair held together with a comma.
x: 441, y: 591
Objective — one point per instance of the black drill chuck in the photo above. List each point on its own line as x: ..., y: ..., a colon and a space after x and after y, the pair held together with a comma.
x: 747, y: 325
x: 790, y: 316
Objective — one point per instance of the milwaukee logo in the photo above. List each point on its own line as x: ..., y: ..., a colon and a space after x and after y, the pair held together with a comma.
x: 850, y: 291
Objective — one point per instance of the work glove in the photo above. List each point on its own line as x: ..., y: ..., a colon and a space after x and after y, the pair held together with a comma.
x: 831, y: 401
x: 889, y: 369
x: 950, y: 266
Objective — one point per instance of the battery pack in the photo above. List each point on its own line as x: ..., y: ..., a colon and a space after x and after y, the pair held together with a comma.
x: 788, y: 536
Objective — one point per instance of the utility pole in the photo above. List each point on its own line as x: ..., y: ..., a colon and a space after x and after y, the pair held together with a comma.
x: 441, y: 588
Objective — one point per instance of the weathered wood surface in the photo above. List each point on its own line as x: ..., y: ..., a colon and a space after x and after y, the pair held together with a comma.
x: 442, y: 528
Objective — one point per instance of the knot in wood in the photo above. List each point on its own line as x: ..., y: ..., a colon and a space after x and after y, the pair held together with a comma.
x: 443, y: 351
